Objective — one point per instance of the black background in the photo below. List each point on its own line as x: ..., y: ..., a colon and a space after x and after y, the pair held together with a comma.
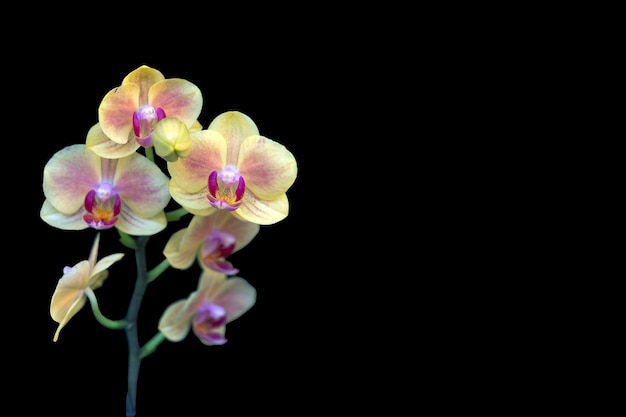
x: 377, y: 292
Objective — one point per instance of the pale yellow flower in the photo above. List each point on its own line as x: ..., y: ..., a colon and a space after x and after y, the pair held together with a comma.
x: 230, y: 166
x: 210, y: 240
x: 70, y: 294
x: 217, y: 301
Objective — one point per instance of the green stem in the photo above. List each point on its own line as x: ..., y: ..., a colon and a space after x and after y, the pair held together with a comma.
x: 158, y: 270
x: 150, y: 153
x: 175, y: 215
x: 152, y: 344
x: 132, y: 337
x: 111, y: 324
x: 127, y: 240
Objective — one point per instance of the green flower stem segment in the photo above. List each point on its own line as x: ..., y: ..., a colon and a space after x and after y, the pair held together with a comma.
x: 152, y: 344
x: 111, y: 324
x: 127, y: 240
x: 132, y: 337
x: 158, y: 270
x: 175, y: 215
x: 150, y: 153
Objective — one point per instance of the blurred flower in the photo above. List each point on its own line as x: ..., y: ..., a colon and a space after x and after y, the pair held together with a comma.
x: 69, y: 296
x: 217, y: 302
x: 83, y: 190
x: 210, y: 239
x: 231, y: 167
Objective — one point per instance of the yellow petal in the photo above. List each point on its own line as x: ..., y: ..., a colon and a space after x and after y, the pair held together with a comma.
x: 179, y: 99
x: 235, y: 295
x: 76, y: 306
x: 175, y: 322
x: 115, y: 113
x: 132, y: 224
x: 93, y: 253
x: 142, y: 185
x: 105, y: 263
x: 69, y: 289
x: 69, y: 175
x: 262, y: 212
x: 195, y: 203
x: 104, y: 147
x: 179, y: 257
x: 235, y: 127
x: 267, y: 166
x: 173, y: 329
x: 55, y: 218
x: 144, y: 77
x: 207, y: 154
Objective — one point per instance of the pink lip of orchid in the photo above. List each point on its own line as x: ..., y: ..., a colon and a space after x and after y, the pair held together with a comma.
x: 209, y: 240
x: 217, y: 301
x: 226, y: 188
x: 145, y: 97
x: 83, y: 190
x: 69, y: 297
x: 231, y: 167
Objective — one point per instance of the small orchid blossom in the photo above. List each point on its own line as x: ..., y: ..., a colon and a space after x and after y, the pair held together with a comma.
x: 69, y: 297
x: 231, y: 167
x: 217, y: 302
x: 130, y: 111
x: 210, y: 239
x: 83, y: 190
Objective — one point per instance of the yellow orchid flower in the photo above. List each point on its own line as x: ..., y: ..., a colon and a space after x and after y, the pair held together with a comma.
x: 69, y: 297
x: 230, y: 166
x: 210, y: 239
x: 130, y: 112
x: 84, y: 190
x: 217, y: 302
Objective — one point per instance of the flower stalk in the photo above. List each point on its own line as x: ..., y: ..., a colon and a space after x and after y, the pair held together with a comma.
x: 132, y: 336
x: 106, y: 322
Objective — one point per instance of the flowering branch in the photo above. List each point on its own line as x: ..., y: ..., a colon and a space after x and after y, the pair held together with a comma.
x: 230, y: 178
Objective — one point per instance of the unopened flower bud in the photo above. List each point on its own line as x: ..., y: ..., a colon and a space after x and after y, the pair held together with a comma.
x: 171, y: 139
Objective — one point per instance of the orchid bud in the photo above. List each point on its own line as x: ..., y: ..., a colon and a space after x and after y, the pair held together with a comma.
x: 171, y: 139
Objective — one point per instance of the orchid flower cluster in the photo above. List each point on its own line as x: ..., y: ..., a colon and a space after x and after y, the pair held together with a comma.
x: 146, y: 153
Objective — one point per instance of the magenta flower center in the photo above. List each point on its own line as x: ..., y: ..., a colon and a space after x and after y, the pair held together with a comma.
x: 103, y: 207
x: 144, y: 120
x: 226, y: 188
x: 215, y: 248
x: 208, y: 319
